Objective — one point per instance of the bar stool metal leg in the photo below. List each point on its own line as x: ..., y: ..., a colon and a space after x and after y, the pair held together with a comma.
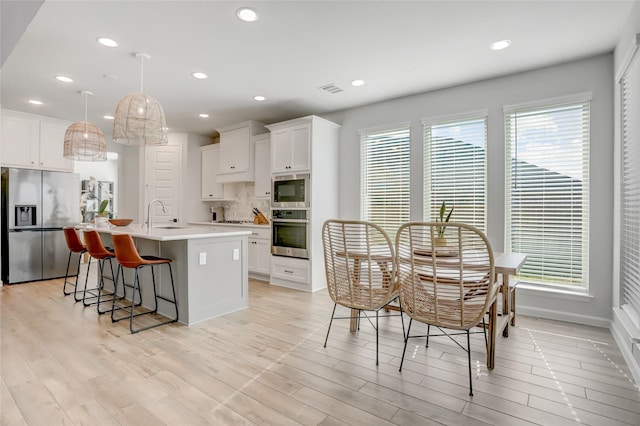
x: 75, y: 246
x: 128, y: 257
x: 74, y: 285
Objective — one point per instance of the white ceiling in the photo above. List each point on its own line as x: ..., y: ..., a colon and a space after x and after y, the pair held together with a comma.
x: 397, y: 47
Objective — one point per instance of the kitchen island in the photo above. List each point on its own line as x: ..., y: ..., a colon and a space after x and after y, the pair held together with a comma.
x: 209, y: 268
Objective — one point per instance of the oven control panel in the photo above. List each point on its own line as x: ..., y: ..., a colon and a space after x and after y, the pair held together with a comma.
x: 294, y: 214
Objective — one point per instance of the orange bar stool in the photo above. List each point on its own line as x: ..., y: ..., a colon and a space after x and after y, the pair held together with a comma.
x: 102, y: 254
x: 128, y: 257
x: 75, y: 245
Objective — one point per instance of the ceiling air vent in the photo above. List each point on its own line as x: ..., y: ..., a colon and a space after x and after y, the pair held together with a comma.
x: 331, y: 88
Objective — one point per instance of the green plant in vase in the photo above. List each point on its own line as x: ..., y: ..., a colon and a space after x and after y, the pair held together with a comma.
x: 102, y: 209
x: 440, y: 240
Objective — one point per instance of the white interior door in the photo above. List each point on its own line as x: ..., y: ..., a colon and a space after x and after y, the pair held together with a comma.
x: 163, y: 176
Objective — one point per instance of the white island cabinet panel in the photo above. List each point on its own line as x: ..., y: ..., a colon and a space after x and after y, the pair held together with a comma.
x: 209, y: 292
x: 209, y: 269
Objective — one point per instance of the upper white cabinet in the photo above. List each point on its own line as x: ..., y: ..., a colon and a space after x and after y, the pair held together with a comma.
x: 236, y: 151
x: 33, y: 142
x: 211, y: 189
x: 290, y: 149
x: 262, y: 166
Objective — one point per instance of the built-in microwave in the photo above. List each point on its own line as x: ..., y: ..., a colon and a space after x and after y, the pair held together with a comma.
x: 290, y: 191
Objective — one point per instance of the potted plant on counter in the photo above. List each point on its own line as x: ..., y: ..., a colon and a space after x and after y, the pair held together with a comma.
x: 440, y: 240
x: 102, y: 215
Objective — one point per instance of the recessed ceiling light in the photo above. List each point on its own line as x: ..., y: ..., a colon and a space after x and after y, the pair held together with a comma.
x: 64, y: 79
x: 203, y: 115
x: 259, y: 98
x: 105, y: 41
x: 501, y: 44
x: 35, y: 102
x: 246, y: 14
x: 199, y: 75
x: 108, y: 117
x: 357, y: 82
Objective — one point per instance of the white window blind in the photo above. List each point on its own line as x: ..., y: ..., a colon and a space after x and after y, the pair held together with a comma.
x: 385, y: 177
x: 548, y: 191
x: 630, y: 191
x: 455, y: 169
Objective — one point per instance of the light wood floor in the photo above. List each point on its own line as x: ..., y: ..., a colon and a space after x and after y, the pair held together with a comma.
x: 62, y: 364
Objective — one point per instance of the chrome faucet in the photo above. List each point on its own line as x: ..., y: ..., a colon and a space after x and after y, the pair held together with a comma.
x: 164, y: 210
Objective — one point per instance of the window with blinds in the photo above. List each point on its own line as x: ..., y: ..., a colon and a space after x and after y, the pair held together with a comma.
x: 630, y: 191
x: 547, y: 199
x: 455, y: 169
x: 385, y: 177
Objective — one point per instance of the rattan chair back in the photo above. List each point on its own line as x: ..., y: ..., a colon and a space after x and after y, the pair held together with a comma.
x: 446, y: 273
x: 359, y: 263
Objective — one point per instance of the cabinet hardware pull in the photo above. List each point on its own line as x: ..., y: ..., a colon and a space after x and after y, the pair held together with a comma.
x: 288, y: 272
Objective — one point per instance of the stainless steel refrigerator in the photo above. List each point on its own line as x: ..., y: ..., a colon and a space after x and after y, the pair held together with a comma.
x: 36, y: 205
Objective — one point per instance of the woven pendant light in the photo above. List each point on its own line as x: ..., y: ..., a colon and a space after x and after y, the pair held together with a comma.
x: 139, y: 119
x: 84, y: 141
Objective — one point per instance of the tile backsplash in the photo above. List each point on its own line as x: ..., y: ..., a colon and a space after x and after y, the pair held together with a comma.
x: 240, y: 208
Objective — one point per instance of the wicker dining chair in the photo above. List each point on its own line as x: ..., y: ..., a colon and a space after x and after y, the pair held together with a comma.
x: 447, y: 279
x: 360, y: 269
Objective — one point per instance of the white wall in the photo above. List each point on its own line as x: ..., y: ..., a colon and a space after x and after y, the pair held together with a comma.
x: 622, y: 327
x: 129, y: 182
x: 131, y: 178
x: 589, y: 75
x: 192, y: 206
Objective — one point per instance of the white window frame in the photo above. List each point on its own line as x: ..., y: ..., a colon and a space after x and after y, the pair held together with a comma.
x: 399, y: 197
x: 629, y: 186
x: 432, y: 199
x: 543, y: 264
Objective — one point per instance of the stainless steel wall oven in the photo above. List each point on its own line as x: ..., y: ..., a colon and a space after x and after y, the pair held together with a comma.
x: 290, y: 233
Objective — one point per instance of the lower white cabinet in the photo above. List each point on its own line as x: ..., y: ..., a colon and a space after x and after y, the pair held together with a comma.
x: 290, y: 272
x: 260, y: 251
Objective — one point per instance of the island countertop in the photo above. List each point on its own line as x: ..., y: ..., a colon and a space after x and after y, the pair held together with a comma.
x: 231, y: 224
x: 168, y: 232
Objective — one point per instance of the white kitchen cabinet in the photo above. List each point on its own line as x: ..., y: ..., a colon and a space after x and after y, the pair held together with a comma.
x: 236, y: 152
x: 290, y: 149
x: 262, y: 167
x: 211, y: 190
x: 52, y: 146
x: 33, y: 142
x: 260, y: 251
x: 307, y: 145
x: 291, y: 272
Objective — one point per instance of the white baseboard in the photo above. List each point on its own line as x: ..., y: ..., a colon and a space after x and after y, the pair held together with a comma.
x: 564, y: 316
x: 630, y: 351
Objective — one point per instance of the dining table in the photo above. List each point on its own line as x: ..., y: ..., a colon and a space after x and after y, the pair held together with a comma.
x: 506, y: 265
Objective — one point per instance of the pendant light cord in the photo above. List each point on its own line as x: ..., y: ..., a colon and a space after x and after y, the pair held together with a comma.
x: 141, y: 74
x: 85, y: 115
